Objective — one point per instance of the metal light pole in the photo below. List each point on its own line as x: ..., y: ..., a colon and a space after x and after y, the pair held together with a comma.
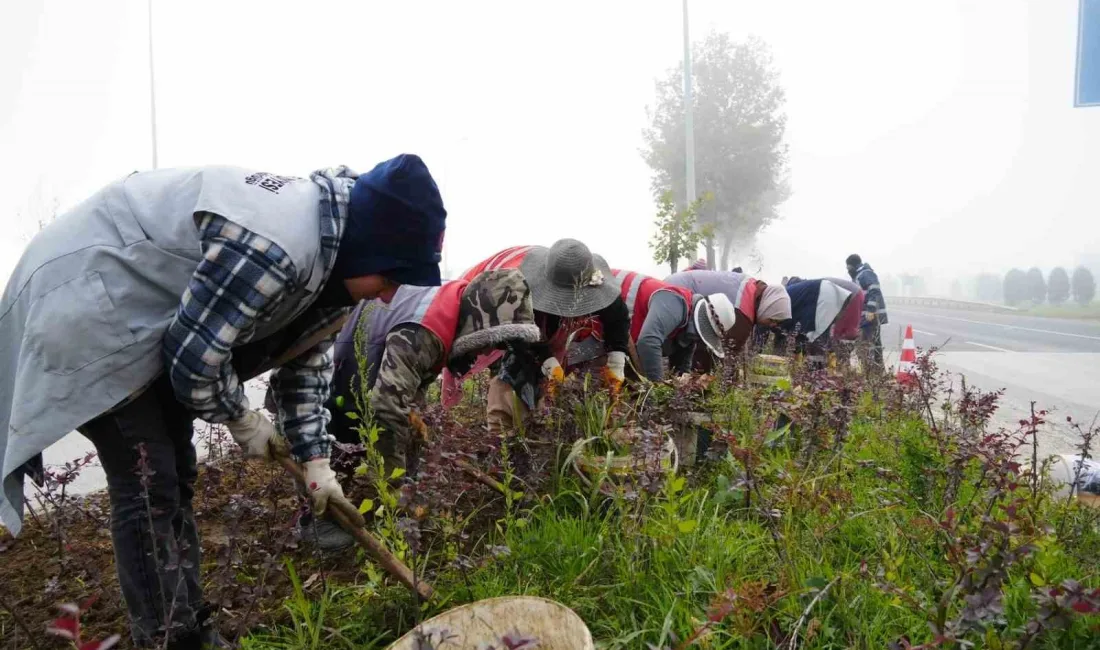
x: 689, y: 127
x: 153, y: 88
x: 689, y: 130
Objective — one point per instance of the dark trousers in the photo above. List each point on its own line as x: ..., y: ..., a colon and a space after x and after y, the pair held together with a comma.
x: 871, y: 333
x: 152, y: 524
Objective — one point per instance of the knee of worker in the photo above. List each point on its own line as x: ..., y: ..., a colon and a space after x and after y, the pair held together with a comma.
x: 152, y: 486
x: 499, y: 407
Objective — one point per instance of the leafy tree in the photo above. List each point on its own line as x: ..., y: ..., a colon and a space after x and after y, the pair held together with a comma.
x: 1058, y: 286
x: 987, y: 288
x: 677, y: 235
x: 740, y: 156
x: 1084, y: 286
x: 1015, y: 287
x: 1036, y: 286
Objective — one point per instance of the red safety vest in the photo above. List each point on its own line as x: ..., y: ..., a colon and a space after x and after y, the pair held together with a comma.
x: 441, y: 315
x: 637, y: 289
x: 509, y: 258
x: 434, y: 308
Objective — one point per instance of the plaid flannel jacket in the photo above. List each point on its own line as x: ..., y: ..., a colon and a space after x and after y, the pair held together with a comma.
x: 243, y: 280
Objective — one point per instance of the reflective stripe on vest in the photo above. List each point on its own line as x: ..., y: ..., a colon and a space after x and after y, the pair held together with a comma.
x: 638, y: 289
x: 509, y: 258
x: 433, y: 308
x: 629, y: 282
x: 740, y: 298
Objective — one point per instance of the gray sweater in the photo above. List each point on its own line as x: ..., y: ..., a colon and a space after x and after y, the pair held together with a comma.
x: 667, y: 313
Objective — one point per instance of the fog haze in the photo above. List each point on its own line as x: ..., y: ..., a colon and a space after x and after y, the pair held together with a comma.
x: 937, y: 138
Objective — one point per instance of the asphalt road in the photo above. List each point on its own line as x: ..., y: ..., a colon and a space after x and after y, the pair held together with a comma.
x: 1054, y: 362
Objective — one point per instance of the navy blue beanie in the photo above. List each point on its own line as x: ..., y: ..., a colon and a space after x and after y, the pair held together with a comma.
x: 395, y: 224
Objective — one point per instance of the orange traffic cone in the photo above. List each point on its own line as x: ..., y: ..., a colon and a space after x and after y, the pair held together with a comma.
x: 907, y: 369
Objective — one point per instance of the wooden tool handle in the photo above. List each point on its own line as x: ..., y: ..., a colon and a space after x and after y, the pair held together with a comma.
x: 378, y: 551
x: 485, y: 479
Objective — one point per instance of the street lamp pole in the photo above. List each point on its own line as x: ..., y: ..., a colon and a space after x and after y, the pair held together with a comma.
x: 153, y: 88
x: 689, y: 126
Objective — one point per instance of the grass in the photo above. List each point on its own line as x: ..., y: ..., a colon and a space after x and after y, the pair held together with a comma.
x: 832, y: 512
x: 881, y: 528
x: 1069, y: 310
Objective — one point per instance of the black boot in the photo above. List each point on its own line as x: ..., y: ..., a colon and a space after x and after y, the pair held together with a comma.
x: 208, y: 636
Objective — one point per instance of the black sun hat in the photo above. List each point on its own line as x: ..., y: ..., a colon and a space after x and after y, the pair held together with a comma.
x: 567, y: 280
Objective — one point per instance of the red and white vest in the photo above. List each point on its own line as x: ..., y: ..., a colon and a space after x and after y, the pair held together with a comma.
x: 738, y: 287
x: 637, y: 289
x: 435, y: 308
x: 509, y: 258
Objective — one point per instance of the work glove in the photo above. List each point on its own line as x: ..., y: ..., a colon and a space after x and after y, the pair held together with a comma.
x: 419, y: 428
x: 616, y: 371
x: 869, y: 317
x: 325, y: 491
x: 257, y: 436
x: 554, y: 374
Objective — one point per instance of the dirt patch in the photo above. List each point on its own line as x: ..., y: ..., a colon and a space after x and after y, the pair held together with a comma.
x: 247, y: 514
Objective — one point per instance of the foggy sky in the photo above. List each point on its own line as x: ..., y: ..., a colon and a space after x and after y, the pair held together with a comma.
x: 938, y: 135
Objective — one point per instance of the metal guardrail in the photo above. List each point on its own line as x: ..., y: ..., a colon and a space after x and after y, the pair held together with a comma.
x: 947, y: 303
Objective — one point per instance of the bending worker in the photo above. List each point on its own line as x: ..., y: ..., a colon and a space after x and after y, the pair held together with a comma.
x: 667, y: 320
x: 815, y: 307
x: 403, y: 345
x: 755, y: 302
x: 123, y: 316
x: 575, y: 298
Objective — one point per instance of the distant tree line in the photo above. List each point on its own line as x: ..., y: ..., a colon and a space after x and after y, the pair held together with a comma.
x: 1019, y: 286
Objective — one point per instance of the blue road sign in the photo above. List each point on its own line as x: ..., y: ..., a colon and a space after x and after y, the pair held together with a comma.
x: 1087, y: 90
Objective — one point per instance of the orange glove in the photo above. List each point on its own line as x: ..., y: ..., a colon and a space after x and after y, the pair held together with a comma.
x: 615, y: 372
x: 554, y: 374
x: 614, y: 384
x: 419, y: 428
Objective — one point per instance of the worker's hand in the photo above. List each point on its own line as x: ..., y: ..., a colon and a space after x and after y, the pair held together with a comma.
x: 257, y: 436
x: 869, y: 317
x: 419, y: 427
x: 554, y: 374
x: 552, y: 370
x: 616, y: 371
x: 325, y: 491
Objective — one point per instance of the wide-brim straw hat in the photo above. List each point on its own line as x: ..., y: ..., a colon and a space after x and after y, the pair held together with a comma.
x: 567, y: 280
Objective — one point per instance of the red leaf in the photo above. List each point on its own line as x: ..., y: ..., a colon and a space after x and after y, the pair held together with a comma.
x: 65, y: 627
x: 105, y: 644
x: 1083, y: 607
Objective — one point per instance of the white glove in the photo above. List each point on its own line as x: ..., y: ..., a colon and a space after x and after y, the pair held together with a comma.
x: 254, y: 433
x: 323, y: 488
x: 616, y: 365
x: 551, y: 369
